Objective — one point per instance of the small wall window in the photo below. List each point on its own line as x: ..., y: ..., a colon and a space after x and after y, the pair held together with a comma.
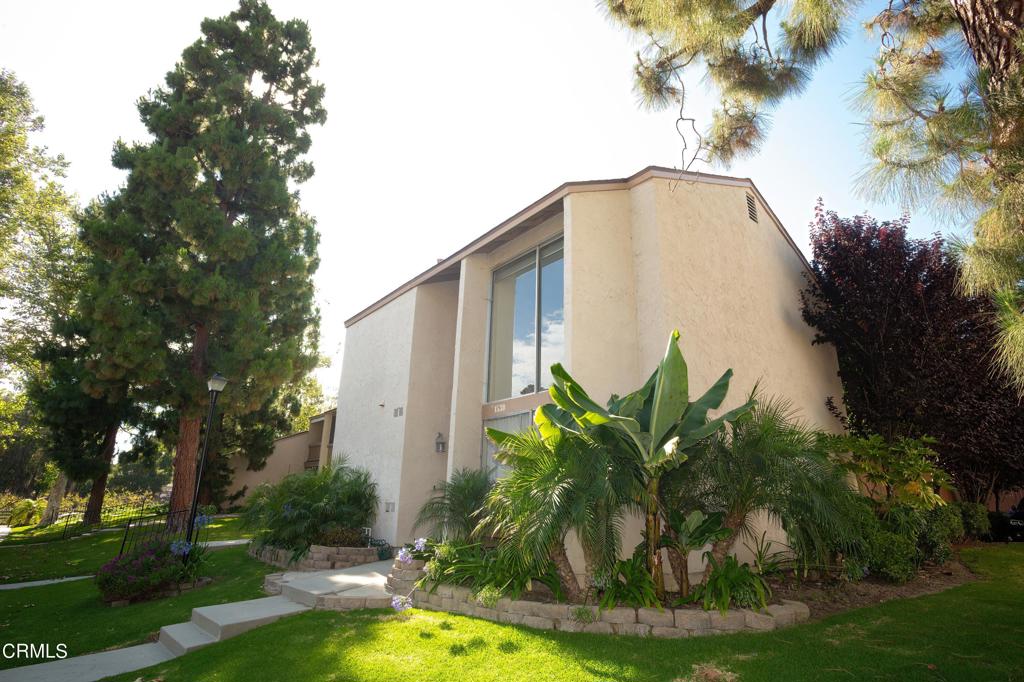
x: 527, y: 323
x: 751, y: 207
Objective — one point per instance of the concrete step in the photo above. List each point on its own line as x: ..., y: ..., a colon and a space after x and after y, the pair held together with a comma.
x: 308, y: 588
x: 368, y: 597
x: 227, y: 620
x: 182, y: 638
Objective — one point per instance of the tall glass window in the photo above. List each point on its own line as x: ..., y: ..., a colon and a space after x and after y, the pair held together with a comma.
x: 551, y: 320
x: 527, y: 323
x: 516, y: 423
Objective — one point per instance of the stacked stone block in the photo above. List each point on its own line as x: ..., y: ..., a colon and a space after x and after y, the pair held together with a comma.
x: 621, y: 620
x: 319, y: 557
x: 403, y: 576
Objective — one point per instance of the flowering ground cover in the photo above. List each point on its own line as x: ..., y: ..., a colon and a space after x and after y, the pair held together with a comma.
x: 73, y: 613
x: 970, y: 632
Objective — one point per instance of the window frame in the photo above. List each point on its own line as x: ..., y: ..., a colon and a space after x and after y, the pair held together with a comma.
x: 536, y: 251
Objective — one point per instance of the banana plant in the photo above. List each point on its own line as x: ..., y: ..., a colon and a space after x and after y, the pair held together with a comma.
x: 685, y: 533
x: 657, y: 423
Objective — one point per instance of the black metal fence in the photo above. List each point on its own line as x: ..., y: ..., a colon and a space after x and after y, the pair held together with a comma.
x: 72, y: 521
x: 164, y: 528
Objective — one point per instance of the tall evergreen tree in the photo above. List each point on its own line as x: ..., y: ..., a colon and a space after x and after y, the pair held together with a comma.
x: 207, y: 257
x: 80, y: 429
x: 958, y: 147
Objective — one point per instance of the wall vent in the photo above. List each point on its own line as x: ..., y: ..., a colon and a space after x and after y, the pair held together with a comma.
x: 751, y: 207
x: 398, y: 412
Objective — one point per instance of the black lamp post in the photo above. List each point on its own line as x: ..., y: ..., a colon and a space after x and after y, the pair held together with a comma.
x: 216, y: 384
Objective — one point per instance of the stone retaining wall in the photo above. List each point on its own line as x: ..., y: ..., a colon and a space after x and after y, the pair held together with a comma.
x: 318, y: 557
x: 644, y: 622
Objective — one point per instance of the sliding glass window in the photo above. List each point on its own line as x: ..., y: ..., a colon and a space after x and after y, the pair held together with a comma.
x: 527, y: 323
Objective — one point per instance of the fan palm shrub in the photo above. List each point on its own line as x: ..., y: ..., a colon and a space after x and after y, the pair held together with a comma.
x: 453, y: 512
x: 557, y: 484
x: 294, y: 512
x: 768, y: 461
x: 656, y: 425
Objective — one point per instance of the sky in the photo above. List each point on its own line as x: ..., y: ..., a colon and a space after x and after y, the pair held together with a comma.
x: 443, y: 120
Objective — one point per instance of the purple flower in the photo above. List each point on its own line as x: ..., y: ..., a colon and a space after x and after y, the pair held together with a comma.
x: 202, y: 521
x: 180, y: 547
x: 420, y: 544
x: 400, y: 603
x: 404, y: 555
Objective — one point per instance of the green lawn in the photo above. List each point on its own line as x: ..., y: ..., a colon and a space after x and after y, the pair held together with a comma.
x: 81, y: 556
x: 221, y: 529
x: 972, y: 632
x: 72, y: 613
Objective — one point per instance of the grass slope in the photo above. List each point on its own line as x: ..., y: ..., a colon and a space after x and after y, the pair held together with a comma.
x: 72, y: 613
x: 82, y: 556
x: 972, y: 632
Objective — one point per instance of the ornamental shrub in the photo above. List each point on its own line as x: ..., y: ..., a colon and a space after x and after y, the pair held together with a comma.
x: 293, y: 513
x: 731, y: 584
x: 629, y: 584
x: 148, y: 569
x: 479, y: 567
x: 943, y: 525
x: 975, y: 519
x: 893, y: 556
x: 340, y: 536
x: 855, y: 555
x: 488, y: 596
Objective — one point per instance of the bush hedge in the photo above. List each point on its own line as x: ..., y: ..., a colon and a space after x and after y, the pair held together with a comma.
x: 340, y: 536
x: 975, y: 519
x: 943, y: 525
x: 296, y: 512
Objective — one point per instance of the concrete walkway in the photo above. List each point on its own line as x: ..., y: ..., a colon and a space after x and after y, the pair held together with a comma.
x: 221, y: 544
x: 39, y: 583
x: 294, y: 592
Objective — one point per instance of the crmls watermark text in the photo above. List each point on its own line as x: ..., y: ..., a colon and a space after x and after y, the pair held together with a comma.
x: 27, y: 650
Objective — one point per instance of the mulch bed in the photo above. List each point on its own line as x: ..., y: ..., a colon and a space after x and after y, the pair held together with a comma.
x: 827, y: 598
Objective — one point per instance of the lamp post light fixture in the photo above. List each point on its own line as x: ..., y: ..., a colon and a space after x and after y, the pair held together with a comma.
x: 216, y: 384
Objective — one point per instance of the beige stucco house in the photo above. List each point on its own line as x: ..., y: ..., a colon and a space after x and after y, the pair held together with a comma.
x: 309, y: 449
x: 595, y: 274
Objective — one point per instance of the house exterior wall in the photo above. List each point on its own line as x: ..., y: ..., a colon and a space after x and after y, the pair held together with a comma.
x: 374, y: 383
x: 428, y: 408
x: 326, y: 427
x: 665, y: 255
x: 470, y: 360
x: 641, y: 259
x: 288, y: 457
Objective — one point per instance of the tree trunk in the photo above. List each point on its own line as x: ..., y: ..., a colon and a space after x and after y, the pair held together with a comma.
x: 653, y: 539
x: 566, y: 576
x: 185, y: 455
x: 992, y: 29
x: 721, y: 549
x: 94, y: 508
x: 680, y: 569
x: 53, y: 500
